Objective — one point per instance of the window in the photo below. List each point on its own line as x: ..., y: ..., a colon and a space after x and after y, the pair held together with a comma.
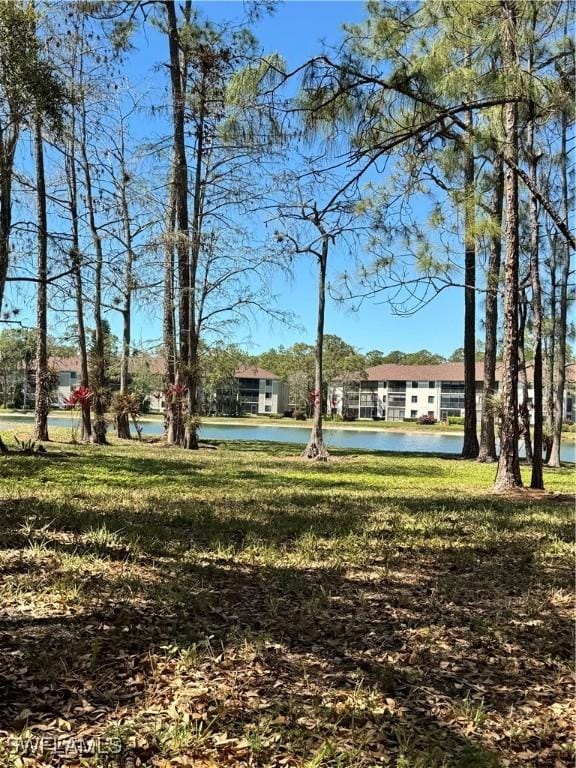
x: 267, y: 409
x: 268, y: 382
x: 413, y: 414
x: 432, y: 384
x: 415, y: 384
x: 414, y: 398
x: 383, y: 398
x: 73, y: 374
x: 430, y: 413
x: 268, y: 395
x: 431, y: 399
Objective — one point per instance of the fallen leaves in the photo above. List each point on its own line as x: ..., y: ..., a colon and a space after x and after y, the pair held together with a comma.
x: 249, y: 631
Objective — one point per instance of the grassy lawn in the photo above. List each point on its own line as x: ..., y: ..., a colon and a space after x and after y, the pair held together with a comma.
x: 241, y: 607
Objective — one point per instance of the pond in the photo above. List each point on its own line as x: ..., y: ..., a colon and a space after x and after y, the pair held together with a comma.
x: 354, y: 439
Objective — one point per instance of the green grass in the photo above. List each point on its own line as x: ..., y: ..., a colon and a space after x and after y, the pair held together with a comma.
x: 242, y: 607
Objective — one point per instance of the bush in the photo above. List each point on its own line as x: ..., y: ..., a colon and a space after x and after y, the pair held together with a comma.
x: 426, y: 420
x: 568, y: 426
x: 456, y: 420
x: 288, y: 414
x: 348, y: 416
x: 299, y: 415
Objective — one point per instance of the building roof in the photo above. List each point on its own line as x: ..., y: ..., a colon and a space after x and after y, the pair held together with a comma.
x: 440, y: 372
x: 253, y: 372
x: 66, y: 363
x: 155, y: 364
x: 385, y: 372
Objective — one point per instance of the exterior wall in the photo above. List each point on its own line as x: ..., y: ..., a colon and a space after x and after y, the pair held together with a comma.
x: 422, y: 399
x: 254, y: 395
x: 156, y: 401
x: 400, y: 400
x: 365, y: 399
x: 282, y: 396
x: 273, y: 397
x: 68, y: 381
x: 570, y: 403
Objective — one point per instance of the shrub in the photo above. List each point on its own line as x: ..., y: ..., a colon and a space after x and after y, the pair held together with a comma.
x: 288, y: 414
x: 426, y: 420
x: 456, y: 420
x: 348, y: 416
x: 299, y: 415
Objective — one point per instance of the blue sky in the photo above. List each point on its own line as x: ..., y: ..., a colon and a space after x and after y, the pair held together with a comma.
x: 297, y: 30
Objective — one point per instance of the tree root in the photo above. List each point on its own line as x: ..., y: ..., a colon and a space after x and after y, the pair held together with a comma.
x: 315, y: 451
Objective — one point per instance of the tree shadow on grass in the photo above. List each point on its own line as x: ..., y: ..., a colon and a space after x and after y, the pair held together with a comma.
x: 88, y: 662
x: 124, y: 470
x: 446, y: 611
x: 328, y: 646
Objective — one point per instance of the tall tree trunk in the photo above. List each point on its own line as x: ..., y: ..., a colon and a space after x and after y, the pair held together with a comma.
x: 508, y: 474
x: 560, y: 362
x: 86, y: 427
x: 551, y: 354
x: 99, y: 362
x: 524, y: 409
x: 316, y: 448
x: 487, y: 432
x: 537, y: 477
x: 560, y: 371
x: 191, y: 431
x: 70, y: 161
x: 172, y: 414
x: 470, y: 447
x: 122, y: 419
x: 8, y: 142
x: 42, y: 401
x: 178, y: 74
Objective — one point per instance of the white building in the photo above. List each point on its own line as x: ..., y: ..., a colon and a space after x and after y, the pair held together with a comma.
x: 69, y: 370
x: 258, y: 391
x: 406, y: 392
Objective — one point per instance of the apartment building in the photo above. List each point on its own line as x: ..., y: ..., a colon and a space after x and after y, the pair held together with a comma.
x: 69, y: 371
x: 252, y: 390
x: 399, y: 392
